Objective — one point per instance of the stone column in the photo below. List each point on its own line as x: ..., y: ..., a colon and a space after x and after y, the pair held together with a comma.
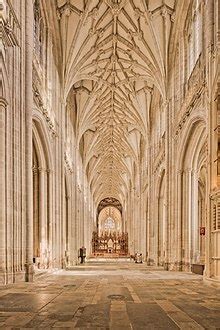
x: 157, y: 230
x: 3, y: 106
x: 54, y: 229
x: 168, y: 176
x: 43, y: 215
x: 83, y: 211
x: 144, y: 224
x: 78, y: 201
x: 128, y: 217
x: 132, y: 220
x: 73, y: 237
x: 66, y: 247
x: 147, y: 227
x: 187, y: 219
x: 139, y: 218
x: 50, y: 216
x: 28, y: 137
x: 179, y: 229
x: 195, y: 218
x: 35, y: 211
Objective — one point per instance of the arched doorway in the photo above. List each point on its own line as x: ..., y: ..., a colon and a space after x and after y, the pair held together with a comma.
x: 192, y: 201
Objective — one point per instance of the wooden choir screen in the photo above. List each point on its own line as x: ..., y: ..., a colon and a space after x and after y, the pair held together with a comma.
x: 110, y: 243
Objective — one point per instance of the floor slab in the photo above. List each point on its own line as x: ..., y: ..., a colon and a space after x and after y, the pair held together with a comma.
x: 111, y: 296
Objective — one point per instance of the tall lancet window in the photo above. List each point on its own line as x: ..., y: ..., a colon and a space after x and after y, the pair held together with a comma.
x: 109, y: 224
x: 194, y: 35
x: 38, y: 31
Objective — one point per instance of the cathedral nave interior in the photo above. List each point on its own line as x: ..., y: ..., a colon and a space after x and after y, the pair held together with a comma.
x: 109, y: 136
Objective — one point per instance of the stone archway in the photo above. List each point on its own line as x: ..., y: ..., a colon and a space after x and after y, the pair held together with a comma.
x: 42, y: 182
x: 192, y: 195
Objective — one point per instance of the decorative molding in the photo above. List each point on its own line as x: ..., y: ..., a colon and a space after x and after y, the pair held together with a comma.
x: 67, y: 9
x: 40, y: 105
x: 9, y: 25
x: 68, y: 162
x: 3, y: 102
x: 194, y: 88
x: 109, y: 201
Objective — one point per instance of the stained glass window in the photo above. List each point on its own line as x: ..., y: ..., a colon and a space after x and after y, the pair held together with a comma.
x: 109, y: 223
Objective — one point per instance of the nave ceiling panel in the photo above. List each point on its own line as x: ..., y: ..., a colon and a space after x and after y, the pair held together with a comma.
x: 114, y: 52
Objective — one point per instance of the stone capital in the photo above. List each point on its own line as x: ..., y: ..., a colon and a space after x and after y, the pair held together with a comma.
x: 41, y: 170
x: 187, y: 170
x: 35, y: 170
x: 3, y: 103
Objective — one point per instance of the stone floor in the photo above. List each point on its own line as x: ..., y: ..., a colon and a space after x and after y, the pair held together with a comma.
x: 111, y: 296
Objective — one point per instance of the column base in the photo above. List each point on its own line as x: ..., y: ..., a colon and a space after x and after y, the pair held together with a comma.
x: 3, y: 277
x: 186, y: 267
x: 73, y: 262
x: 176, y: 266
x: 166, y: 266
x: 150, y: 262
x: 19, y: 276
x: 29, y: 272
x: 9, y: 277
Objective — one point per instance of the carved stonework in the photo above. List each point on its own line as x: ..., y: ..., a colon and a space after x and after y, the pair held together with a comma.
x: 121, y: 63
x: 68, y: 162
x: 109, y: 201
x: 9, y: 25
x: 38, y: 99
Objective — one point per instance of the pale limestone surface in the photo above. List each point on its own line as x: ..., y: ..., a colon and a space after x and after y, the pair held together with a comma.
x: 103, y: 99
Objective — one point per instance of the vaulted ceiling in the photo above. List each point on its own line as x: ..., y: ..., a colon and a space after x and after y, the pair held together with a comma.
x: 114, y: 55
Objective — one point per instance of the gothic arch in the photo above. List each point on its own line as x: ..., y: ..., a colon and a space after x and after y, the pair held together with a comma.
x: 4, y: 83
x: 192, y: 158
x: 42, y: 197
x: 40, y: 133
x: 196, y: 125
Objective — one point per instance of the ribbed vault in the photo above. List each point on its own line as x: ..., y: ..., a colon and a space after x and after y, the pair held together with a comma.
x: 114, y: 57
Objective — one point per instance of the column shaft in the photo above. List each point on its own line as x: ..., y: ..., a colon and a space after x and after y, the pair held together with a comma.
x: 28, y: 137
x: 3, y: 105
